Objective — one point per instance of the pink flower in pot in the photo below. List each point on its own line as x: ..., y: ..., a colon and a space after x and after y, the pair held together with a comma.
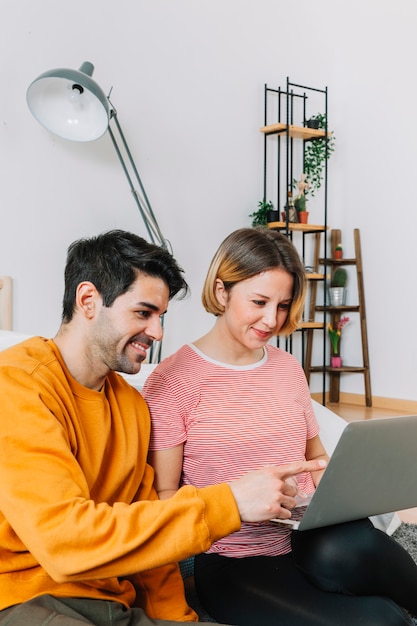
x: 335, y: 334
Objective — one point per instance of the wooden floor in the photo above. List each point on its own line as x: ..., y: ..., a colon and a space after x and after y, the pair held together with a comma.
x: 351, y: 412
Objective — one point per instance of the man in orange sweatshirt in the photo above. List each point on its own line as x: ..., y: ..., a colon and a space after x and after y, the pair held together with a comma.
x: 83, y: 535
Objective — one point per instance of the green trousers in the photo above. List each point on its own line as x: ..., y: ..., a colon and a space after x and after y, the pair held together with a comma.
x: 52, y: 611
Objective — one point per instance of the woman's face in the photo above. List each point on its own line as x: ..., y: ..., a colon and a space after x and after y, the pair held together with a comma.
x: 256, y: 308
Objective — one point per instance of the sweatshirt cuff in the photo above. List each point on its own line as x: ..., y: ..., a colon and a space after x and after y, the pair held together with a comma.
x: 221, y: 512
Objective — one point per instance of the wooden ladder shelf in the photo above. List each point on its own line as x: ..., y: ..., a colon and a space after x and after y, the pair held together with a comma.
x: 334, y: 313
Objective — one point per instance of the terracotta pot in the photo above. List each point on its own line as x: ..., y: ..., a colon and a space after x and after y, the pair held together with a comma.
x: 303, y: 217
x: 338, y: 254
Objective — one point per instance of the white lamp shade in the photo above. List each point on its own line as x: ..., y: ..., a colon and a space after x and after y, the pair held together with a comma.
x: 69, y: 103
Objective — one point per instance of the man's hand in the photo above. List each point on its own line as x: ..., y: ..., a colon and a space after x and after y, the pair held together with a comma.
x: 266, y: 493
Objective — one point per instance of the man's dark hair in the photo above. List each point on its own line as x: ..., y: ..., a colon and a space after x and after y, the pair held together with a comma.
x: 111, y: 261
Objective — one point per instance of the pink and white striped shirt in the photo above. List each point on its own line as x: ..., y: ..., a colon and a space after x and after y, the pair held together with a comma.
x: 233, y: 420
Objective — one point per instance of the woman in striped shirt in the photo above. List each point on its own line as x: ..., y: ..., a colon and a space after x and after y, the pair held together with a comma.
x: 230, y: 403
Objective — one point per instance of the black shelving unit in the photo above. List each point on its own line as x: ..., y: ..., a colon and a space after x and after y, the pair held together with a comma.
x: 285, y: 130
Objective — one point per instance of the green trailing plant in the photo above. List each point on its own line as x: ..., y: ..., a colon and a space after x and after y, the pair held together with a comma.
x: 315, y: 155
x: 339, y: 278
x: 260, y: 217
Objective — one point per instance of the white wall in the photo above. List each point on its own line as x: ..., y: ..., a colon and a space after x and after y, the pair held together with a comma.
x: 188, y: 78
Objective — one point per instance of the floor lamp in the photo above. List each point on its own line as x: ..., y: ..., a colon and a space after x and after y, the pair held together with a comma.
x: 70, y: 104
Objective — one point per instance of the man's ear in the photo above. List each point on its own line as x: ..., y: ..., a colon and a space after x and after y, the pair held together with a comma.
x: 87, y: 298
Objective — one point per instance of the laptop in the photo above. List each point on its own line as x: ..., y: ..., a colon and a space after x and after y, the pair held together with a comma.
x: 372, y: 470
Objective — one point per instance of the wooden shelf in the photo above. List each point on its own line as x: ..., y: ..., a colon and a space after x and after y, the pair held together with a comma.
x: 335, y: 313
x: 353, y: 308
x: 338, y: 370
x: 310, y: 326
x: 334, y: 262
x: 294, y: 226
x: 298, y: 132
x: 315, y: 276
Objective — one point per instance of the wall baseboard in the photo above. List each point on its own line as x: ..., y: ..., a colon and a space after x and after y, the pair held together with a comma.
x: 392, y: 404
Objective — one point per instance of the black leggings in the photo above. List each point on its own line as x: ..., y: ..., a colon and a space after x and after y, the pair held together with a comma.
x: 349, y: 574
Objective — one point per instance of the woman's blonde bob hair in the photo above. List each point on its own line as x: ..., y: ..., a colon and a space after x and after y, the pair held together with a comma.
x: 250, y: 251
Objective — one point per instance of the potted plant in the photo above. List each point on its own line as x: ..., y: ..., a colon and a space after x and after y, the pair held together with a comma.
x: 316, y: 151
x: 300, y: 200
x: 265, y: 213
x: 338, y: 253
x: 290, y: 212
x: 313, y: 122
x: 337, y: 290
x: 335, y: 335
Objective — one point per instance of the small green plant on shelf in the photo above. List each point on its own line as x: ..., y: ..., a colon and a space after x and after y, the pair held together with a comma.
x: 303, y: 186
x: 337, y: 291
x: 338, y: 251
x: 316, y: 152
x: 260, y: 217
x: 339, y: 278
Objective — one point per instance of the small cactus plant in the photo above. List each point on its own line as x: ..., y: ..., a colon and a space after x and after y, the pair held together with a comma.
x: 300, y: 203
x: 339, y: 278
